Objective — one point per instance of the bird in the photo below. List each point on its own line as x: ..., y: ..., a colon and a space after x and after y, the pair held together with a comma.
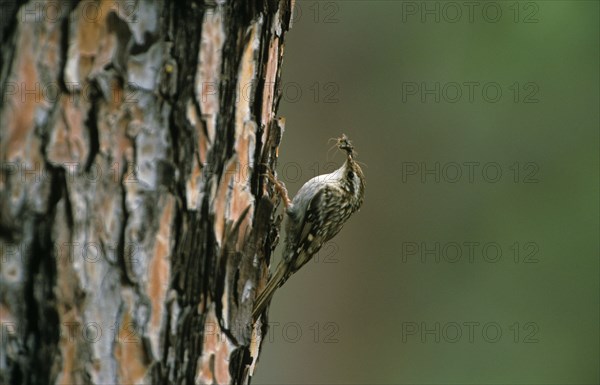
x: 315, y: 215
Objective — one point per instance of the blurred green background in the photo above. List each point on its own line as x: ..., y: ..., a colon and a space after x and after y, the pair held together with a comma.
x: 391, y: 300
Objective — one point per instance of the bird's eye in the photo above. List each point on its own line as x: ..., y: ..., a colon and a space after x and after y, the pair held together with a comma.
x: 350, y: 175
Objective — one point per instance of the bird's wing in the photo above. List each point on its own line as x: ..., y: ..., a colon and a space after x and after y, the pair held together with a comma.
x: 307, y: 243
x: 309, y: 239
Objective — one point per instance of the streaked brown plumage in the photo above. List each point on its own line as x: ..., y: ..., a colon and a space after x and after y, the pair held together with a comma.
x: 317, y: 213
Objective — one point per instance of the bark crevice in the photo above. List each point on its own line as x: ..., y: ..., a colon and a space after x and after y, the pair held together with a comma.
x: 135, y: 199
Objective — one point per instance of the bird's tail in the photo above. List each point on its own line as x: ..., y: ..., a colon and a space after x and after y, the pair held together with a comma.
x: 265, y: 296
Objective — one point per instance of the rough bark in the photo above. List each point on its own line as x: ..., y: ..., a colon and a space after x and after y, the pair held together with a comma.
x: 135, y: 224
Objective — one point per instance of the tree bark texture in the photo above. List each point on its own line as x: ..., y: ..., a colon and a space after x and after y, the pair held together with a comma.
x: 136, y: 226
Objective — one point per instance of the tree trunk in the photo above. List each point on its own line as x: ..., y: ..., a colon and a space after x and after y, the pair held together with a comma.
x: 136, y: 224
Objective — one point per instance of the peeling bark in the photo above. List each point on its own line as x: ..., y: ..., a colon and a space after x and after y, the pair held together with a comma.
x: 136, y: 226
